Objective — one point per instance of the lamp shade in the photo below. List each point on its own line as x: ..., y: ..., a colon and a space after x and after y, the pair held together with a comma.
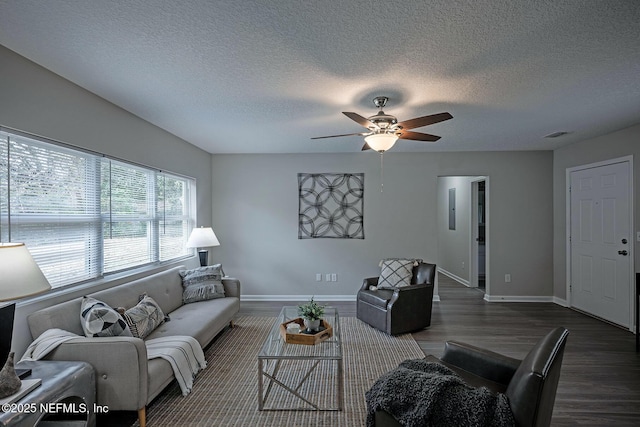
x: 202, y: 237
x: 21, y: 276
x: 381, y: 141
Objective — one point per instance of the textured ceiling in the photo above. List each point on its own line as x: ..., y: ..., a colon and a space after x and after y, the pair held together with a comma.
x: 265, y: 76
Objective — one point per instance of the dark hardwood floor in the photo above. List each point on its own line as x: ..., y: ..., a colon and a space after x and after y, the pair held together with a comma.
x: 600, y: 380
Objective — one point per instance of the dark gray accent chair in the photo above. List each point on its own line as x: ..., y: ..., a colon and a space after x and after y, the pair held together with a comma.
x: 399, y: 310
x: 530, y: 384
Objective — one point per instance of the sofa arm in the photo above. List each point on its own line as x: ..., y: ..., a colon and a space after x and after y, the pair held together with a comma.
x: 484, y: 363
x: 231, y: 287
x: 120, y: 365
x: 370, y: 281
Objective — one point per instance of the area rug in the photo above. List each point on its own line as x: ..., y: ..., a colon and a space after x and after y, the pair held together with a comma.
x: 226, y: 392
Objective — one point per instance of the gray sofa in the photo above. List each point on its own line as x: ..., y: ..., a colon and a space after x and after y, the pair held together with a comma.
x: 125, y: 379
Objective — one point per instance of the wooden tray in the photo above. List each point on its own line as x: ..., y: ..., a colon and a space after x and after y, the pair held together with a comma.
x: 304, y: 338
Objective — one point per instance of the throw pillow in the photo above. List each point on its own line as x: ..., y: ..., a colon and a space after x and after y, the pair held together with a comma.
x: 144, y: 317
x: 100, y: 320
x: 201, y: 274
x: 203, y: 292
x: 396, y: 273
x: 203, y: 283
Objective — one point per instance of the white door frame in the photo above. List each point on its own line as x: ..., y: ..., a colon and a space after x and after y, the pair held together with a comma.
x: 473, y: 248
x: 632, y: 237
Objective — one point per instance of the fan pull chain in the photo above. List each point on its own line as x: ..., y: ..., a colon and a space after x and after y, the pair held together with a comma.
x: 381, y: 171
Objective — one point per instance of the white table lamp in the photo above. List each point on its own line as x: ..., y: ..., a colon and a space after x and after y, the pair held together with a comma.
x: 21, y: 277
x: 203, y: 237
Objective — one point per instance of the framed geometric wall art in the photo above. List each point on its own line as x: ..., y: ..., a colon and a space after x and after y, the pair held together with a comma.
x: 330, y: 205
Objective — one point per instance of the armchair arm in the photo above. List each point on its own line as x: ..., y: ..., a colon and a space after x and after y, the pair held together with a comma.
x: 484, y: 363
x: 120, y: 364
x: 411, y: 294
x: 370, y: 281
x: 231, y: 287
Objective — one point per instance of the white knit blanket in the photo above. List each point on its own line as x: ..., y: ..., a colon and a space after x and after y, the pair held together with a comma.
x: 184, y: 353
x: 48, y: 341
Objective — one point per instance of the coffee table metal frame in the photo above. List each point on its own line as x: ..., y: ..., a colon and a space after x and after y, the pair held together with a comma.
x: 275, y: 351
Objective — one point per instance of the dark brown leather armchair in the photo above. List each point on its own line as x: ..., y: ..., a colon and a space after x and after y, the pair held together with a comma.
x: 530, y: 384
x: 399, y: 310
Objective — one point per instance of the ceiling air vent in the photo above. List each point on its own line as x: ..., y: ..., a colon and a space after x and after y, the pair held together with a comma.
x: 556, y: 134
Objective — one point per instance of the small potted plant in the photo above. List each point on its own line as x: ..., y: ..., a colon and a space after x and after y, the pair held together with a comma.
x: 311, y: 312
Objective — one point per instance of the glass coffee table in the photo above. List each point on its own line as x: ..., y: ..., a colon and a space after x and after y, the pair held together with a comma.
x: 298, y: 376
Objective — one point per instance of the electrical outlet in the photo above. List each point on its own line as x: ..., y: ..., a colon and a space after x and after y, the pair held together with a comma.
x: 507, y: 278
x: 463, y: 265
x: 334, y: 277
x: 318, y: 277
x: 327, y: 277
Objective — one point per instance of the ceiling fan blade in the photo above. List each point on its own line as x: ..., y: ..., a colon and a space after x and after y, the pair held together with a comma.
x: 365, y: 147
x: 337, y: 136
x: 418, y: 122
x: 359, y: 119
x: 417, y: 136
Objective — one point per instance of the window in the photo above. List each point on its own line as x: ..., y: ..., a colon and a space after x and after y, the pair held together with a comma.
x: 83, y: 215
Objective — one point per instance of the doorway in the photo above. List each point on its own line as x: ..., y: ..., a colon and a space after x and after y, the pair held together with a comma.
x: 463, y: 230
x: 600, y: 240
x: 479, y: 233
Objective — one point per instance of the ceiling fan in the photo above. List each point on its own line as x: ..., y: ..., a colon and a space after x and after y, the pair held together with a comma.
x: 384, y: 129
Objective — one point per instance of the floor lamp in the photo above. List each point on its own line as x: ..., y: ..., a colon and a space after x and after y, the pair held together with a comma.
x: 203, y: 237
x: 21, y: 277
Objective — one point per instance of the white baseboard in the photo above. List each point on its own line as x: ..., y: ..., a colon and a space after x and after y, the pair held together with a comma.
x: 560, y: 301
x: 454, y: 277
x: 519, y: 298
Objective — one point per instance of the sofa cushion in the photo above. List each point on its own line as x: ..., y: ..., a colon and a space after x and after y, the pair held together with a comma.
x: 144, y: 317
x: 165, y: 287
x: 100, y: 320
x: 396, y: 273
x: 378, y: 298
x: 202, y: 320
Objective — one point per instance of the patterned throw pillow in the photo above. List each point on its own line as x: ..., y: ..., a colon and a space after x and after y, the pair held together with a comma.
x: 201, y: 275
x: 203, y: 292
x: 203, y: 283
x: 396, y: 273
x: 144, y: 317
x: 100, y: 320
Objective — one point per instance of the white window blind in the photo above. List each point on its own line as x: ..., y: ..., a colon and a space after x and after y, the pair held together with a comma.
x: 82, y: 215
x: 128, y: 215
x: 174, y: 219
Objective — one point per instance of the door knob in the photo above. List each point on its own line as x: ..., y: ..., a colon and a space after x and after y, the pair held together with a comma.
x: 623, y: 253
x: 624, y: 241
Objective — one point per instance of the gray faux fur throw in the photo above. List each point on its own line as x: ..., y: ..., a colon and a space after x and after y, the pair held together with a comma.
x: 420, y: 393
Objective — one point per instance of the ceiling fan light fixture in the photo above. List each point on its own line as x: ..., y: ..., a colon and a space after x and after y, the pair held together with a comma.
x: 381, y: 142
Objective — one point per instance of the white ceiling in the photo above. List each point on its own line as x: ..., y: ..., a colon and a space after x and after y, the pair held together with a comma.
x: 264, y: 76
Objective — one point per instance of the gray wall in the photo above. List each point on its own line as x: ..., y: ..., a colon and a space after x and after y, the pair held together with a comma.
x: 614, y: 145
x: 453, y: 245
x: 35, y: 100
x: 255, y: 217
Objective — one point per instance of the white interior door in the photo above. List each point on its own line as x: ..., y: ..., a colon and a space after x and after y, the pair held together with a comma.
x: 601, y: 242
